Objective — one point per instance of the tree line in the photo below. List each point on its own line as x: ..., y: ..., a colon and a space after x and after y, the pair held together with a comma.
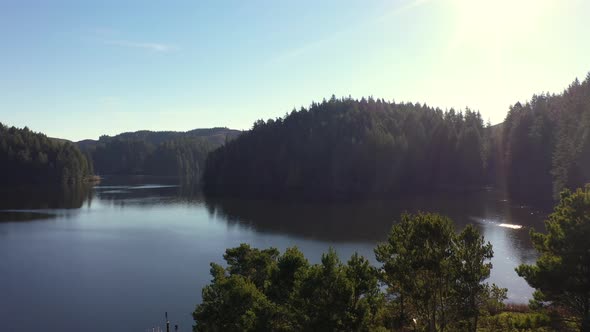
x: 546, y: 142
x: 181, y: 157
x: 341, y: 148
x: 347, y: 148
x: 179, y: 154
x: 33, y: 158
x: 428, y: 278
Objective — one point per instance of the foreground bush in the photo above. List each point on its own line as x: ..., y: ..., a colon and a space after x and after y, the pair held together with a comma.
x: 561, y: 275
x: 433, y: 280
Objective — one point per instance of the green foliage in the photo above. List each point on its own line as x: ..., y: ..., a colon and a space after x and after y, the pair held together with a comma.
x: 517, y: 321
x: 337, y: 297
x: 234, y: 304
x: 263, y: 290
x: 345, y: 148
x: 432, y: 275
x: 492, y: 299
x: 561, y: 275
x: 33, y: 158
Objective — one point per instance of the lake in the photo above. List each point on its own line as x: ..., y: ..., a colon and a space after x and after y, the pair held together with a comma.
x: 117, y: 256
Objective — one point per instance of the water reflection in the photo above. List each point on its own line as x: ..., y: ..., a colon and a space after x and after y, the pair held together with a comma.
x: 152, y: 239
x: 357, y: 224
x: 502, y: 222
x: 146, y: 191
x: 24, y: 216
x: 361, y: 223
x: 366, y: 221
x: 66, y: 196
x: 371, y: 220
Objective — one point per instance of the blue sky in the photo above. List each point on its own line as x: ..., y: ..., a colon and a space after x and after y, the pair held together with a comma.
x: 79, y: 69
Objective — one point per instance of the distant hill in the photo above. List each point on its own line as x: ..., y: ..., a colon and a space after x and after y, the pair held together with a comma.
x: 215, y: 136
x: 162, y: 153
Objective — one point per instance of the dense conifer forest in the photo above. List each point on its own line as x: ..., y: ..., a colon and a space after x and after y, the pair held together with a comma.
x: 166, y: 153
x: 33, y: 158
x: 546, y: 142
x: 348, y: 148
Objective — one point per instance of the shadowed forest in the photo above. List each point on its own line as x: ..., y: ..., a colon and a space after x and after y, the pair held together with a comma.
x: 346, y: 148
x: 29, y: 157
x: 341, y: 148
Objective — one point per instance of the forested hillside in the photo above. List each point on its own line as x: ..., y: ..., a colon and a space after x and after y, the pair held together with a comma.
x: 215, y: 136
x: 32, y: 158
x: 346, y: 148
x: 339, y: 149
x: 165, y: 153
x: 547, y: 142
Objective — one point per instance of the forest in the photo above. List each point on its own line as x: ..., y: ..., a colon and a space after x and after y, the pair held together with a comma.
x: 179, y: 154
x: 546, y: 143
x: 27, y: 157
x: 341, y: 148
x: 345, y: 148
x: 428, y: 278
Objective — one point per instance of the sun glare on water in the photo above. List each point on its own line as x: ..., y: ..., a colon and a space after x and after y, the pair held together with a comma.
x: 511, y: 226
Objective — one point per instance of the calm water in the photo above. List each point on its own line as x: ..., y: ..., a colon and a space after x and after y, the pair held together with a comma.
x: 116, y: 257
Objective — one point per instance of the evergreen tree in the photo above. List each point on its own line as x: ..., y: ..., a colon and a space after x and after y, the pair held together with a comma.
x: 27, y: 157
x: 546, y: 144
x: 435, y: 276
x: 346, y: 148
x: 561, y: 275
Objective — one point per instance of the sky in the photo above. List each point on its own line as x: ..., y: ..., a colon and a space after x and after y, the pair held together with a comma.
x: 81, y: 69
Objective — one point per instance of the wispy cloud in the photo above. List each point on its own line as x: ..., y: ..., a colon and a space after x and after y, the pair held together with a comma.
x: 154, y: 47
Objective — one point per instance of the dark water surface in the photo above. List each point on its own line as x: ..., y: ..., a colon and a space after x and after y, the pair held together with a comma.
x: 116, y: 257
